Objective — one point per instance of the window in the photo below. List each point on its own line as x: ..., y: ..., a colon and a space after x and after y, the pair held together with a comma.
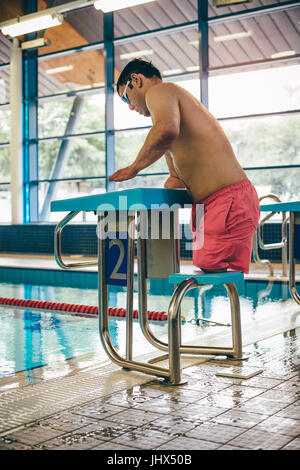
x: 76, y: 71
x: 255, y: 92
x: 72, y: 115
x: 266, y: 140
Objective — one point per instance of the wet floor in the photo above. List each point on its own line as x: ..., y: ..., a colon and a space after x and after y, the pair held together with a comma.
x: 209, y: 412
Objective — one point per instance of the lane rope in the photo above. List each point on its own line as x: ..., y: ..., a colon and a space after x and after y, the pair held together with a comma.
x: 75, y: 308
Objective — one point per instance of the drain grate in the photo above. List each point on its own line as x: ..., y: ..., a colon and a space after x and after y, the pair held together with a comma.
x: 31, y: 403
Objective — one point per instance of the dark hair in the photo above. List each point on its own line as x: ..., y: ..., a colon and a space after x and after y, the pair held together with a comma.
x: 137, y: 66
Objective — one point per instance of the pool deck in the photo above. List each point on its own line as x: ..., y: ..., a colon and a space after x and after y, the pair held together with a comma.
x: 88, y: 405
x: 28, y: 261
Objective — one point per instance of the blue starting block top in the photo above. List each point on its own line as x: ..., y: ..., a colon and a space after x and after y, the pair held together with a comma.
x: 293, y: 206
x: 146, y: 198
x: 215, y: 278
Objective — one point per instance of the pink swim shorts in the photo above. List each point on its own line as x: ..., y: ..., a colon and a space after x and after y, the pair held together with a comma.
x: 231, y: 217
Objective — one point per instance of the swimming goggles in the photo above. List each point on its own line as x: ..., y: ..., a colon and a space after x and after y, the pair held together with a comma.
x: 124, y: 96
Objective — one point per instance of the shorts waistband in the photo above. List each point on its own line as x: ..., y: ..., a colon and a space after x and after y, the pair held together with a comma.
x: 246, y: 183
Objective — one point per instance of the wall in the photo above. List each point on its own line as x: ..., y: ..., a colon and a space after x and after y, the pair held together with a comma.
x: 81, y: 239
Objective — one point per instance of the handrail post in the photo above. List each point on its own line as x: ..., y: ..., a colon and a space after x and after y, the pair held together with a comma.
x: 57, y: 244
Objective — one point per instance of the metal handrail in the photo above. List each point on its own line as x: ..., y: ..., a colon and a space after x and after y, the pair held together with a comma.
x: 57, y: 244
x: 258, y: 239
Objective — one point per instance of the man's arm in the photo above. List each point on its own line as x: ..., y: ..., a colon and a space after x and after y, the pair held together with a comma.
x: 163, y: 106
x: 173, y: 181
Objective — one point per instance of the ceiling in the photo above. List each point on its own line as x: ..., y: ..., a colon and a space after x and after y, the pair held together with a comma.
x: 172, y: 52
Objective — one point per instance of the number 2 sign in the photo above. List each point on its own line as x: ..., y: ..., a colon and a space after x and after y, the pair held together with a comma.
x: 116, y: 261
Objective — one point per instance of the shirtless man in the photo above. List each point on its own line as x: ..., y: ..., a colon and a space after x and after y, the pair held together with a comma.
x: 200, y: 159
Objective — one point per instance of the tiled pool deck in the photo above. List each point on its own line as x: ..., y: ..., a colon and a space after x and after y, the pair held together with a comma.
x: 209, y: 412
x: 103, y: 407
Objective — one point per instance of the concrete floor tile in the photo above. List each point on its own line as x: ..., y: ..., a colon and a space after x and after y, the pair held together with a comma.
x: 97, y: 409
x: 162, y: 405
x: 66, y: 421
x: 105, y: 430
x: 257, y: 439
x: 286, y: 426
x: 134, y: 417
x: 9, y: 444
x: 34, y: 434
x: 74, y: 441
x: 186, y: 443
x: 199, y: 412
x: 262, y: 405
x: 230, y: 447
x: 110, y: 445
x: 291, y: 411
x: 293, y: 445
x: 282, y: 396
x: 143, y: 438
x: 171, y: 425
x: 215, y: 432
x: 240, y: 418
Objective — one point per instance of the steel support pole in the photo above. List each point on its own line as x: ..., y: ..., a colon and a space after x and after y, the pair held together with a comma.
x: 30, y: 126
x: 108, y: 21
x: 203, y: 50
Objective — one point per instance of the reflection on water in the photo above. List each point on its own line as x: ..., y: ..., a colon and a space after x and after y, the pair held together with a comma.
x: 30, y: 339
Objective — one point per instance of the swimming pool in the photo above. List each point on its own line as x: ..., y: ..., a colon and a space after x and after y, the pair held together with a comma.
x: 31, y: 339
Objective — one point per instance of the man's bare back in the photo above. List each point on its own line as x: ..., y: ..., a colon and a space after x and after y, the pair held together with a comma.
x: 202, y: 155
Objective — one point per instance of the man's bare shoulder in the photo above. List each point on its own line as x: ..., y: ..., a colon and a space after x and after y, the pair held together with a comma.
x: 163, y: 89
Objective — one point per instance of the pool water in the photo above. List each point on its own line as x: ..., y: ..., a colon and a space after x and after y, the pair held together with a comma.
x: 31, y: 339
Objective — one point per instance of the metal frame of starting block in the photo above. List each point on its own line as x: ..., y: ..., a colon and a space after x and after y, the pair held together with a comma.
x: 294, y: 219
x: 157, y: 257
x: 128, y: 205
x: 187, y: 282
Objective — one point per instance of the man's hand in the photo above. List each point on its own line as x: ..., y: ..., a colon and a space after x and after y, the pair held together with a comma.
x: 173, y: 183
x: 124, y: 174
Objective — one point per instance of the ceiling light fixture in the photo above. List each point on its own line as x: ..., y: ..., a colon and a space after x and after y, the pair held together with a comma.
x: 277, y: 55
x: 230, y: 37
x: 113, y: 5
x: 172, y: 72
x: 30, y: 23
x: 225, y: 3
x: 136, y: 54
x: 42, y: 19
x: 64, y: 68
x: 193, y: 68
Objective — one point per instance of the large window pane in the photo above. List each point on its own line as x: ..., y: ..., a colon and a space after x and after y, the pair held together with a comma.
x: 125, y: 154
x: 68, y: 189
x: 5, y: 124
x: 83, y: 113
x: 4, y: 164
x: 265, y: 141
x: 5, y: 203
x: 154, y: 15
x: 79, y: 27
x: 255, y: 92
x: 83, y: 158
x: 71, y: 72
x: 4, y: 83
x: 284, y: 183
